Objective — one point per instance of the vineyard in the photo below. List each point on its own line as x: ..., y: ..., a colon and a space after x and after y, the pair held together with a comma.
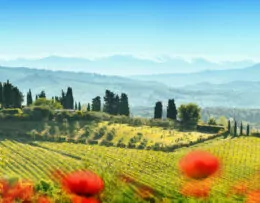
x: 159, y: 170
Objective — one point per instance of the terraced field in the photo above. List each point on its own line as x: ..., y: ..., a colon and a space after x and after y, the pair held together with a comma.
x: 240, y: 158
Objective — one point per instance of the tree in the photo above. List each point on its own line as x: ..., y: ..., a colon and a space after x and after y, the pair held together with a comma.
x: 171, y: 110
x: 96, y: 104
x: 115, y: 105
x: 1, y: 94
x: 42, y: 94
x: 11, y: 96
x: 29, y: 98
x: 88, y: 108
x: 79, y: 107
x: 76, y: 106
x: 212, y: 121
x: 247, y: 130
x: 235, y: 129
x: 241, y: 128
x: 69, y: 101
x: 229, y: 126
x: 109, y: 102
x: 189, y: 113
x: 123, y: 105
x: 158, y: 110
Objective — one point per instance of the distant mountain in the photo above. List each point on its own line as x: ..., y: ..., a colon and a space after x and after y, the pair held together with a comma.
x: 249, y: 74
x: 125, y: 65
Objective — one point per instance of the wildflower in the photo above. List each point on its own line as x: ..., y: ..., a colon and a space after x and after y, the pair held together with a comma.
x: 199, y: 164
x: 79, y: 199
x: 83, y: 183
x: 253, y: 197
x: 197, y: 189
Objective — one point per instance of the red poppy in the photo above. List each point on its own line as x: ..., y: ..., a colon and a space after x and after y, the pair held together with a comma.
x: 78, y: 199
x: 253, y: 197
x: 43, y: 199
x: 20, y: 191
x: 240, y: 189
x: 83, y: 183
x: 199, y: 164
x: 198, y: 189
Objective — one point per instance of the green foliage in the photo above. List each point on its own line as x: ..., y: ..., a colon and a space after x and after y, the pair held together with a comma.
x: 189, y: 113
x: 96, y: 104
x: 209, y: 128
x: 48, y: 103
x: 171, y: 110
x: 158, y: 110
x: 12, y: 111
x: 124, y: 105
x: 212, y: 121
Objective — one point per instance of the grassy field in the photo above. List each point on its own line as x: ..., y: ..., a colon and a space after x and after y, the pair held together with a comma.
x: 240, y: 158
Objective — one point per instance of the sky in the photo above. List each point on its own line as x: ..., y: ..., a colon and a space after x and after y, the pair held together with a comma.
x: 215, y: 30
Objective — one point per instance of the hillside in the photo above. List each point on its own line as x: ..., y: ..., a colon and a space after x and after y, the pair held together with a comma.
x: 157, y: 169
x: 249, y: 74
x: 141, y: 93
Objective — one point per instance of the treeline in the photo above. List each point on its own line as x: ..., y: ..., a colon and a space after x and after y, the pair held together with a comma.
x: 12, y: 97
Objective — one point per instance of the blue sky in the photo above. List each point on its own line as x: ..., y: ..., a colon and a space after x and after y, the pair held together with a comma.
x: 217, y: 30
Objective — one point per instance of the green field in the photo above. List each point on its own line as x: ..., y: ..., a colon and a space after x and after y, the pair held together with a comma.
x: 240, y: 159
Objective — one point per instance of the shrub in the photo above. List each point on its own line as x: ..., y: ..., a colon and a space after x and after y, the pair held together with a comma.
x: 106, y: 143
x: 12, y: 111
x: 209, y: 128
x: 110, y: 135
x: 101, y: 132
x: 92, y: 142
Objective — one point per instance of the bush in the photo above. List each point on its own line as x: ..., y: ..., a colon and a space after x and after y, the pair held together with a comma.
x: 106, y: 143
x: 92, y: 142
x: 110, y: 135
x: 209, y: 128
x: 39, y: 113
x: 101, y: 132
x: 12, y: 111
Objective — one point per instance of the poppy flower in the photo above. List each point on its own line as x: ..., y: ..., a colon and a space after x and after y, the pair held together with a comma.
x: 82, y: 183
x: 79, y: 199
x: 240, y: 189
x: 198, y: 189
x: 253, y: 197
x: 199, y: 164
x: 43, y: 199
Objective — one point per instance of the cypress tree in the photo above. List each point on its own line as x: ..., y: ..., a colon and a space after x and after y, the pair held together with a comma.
x: 109, y: 100
x: 247, y: 130
x: 158, y: 110
x: 229, y: 126
x: 79, y: 107
x: 42, y: 94
x: 69, y: 99
x: 123, y: 105
x: 116, y: 105
x: 171, y: 110
x: 96, y: 104
x: 36, y: 97
x: 235, y: 129
x: 29, y: 98
x: 1, y: 95
x: 76, y: 106
x: 7, y: 94
x: 241, y: 128
x: 88, y: 108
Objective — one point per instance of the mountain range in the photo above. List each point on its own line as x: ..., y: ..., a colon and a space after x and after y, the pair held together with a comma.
x: 125, y: 65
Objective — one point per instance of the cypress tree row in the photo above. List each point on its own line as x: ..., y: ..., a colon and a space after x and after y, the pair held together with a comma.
x: 11, y: 96
x: 158, y: 110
